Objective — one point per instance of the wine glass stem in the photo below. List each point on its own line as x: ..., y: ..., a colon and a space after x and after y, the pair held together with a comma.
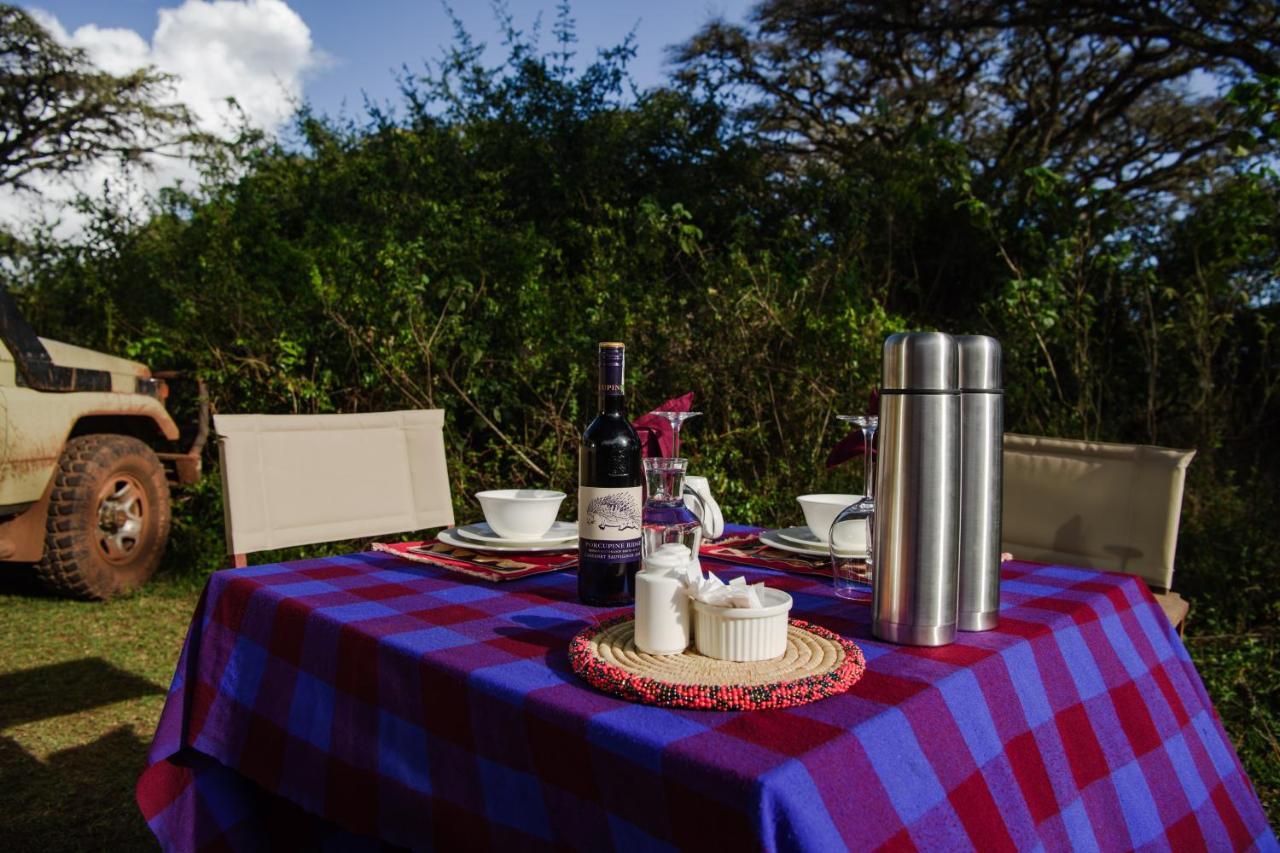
x: 868, y: 460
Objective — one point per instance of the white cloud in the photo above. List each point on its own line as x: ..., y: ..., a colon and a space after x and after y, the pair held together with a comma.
x: 256, y: 51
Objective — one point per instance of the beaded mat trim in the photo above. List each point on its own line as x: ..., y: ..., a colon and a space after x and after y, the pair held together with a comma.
x: 816, y: 664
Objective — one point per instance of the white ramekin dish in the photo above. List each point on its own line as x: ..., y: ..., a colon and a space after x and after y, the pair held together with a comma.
x: 819, y: 513
x: 523, y: 514
x: 741, y: 634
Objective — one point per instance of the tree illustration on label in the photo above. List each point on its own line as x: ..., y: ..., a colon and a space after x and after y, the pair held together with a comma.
x: 618, y: 511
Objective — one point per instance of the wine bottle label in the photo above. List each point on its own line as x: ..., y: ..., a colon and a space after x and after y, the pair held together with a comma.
x: 609, y: 523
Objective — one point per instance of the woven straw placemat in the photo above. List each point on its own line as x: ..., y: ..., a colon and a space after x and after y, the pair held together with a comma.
x: 817, y: 663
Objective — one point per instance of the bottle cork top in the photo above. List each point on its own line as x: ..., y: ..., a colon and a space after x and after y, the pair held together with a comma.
x: 612, y: 345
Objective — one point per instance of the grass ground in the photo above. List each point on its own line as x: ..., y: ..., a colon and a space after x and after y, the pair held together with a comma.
x: 1239, y: 671
x: 81, y: 688
x: 82, y: 685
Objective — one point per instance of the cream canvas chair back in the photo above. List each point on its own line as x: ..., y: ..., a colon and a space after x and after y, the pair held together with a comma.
x: 1090, y: 503
x: 302, y: 479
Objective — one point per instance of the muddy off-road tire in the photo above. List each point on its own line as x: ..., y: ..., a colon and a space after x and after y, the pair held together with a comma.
x: 108, y: 518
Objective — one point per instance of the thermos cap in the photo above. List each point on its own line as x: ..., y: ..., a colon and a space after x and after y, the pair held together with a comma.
x: 980, y: 363
x: 920, y: 361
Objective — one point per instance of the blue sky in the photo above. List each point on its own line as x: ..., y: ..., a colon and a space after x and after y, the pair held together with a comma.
x: 268, y: 55
x: 364, y: 43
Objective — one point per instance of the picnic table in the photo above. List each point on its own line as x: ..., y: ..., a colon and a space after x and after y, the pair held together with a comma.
x: 365, y: 701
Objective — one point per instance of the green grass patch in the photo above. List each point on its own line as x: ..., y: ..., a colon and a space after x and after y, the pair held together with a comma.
x: 1239, y: 670
x: 81, y: 688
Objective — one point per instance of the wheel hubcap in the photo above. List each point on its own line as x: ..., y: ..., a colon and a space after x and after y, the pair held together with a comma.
x: 121, y: 512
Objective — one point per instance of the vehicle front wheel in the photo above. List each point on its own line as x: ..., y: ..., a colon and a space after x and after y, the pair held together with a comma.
x: 108, y: 518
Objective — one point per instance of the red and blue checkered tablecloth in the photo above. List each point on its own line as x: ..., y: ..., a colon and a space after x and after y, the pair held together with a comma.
x: 331, y: 702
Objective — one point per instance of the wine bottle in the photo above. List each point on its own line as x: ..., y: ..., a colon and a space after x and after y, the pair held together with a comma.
x: 610, y: 500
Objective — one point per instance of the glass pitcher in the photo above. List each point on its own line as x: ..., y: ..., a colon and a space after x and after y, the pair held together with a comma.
x: 666, y: 518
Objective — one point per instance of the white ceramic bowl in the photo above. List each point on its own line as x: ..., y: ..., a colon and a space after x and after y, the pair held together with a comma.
x: 524, y: 514
x: 741, y: 634
x: 821, y: 510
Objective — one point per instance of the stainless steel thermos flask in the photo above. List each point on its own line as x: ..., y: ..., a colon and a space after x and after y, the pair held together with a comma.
x: 917, y: 502
x: 981, y: 454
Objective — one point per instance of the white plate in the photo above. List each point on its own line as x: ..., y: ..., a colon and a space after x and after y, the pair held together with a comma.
x: 802, y: 536
x: 450, y: 537
x: 805, y: 537
x: 773, y: 540
x: 482, y: 532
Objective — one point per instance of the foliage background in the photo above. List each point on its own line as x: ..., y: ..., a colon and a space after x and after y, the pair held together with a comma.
x: 466, y: 248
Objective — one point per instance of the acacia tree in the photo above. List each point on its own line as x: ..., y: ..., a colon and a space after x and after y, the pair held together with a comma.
x: 1018, y: 147
x: 58, y: 112
x: 1103, y: 93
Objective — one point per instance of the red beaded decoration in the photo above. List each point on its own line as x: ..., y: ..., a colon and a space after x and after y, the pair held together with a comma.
x: 715, y: 697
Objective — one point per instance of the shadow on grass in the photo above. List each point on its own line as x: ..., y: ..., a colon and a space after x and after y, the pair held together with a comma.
x: 81, y: 798
x: 20, y: 579
x: 66, y: 688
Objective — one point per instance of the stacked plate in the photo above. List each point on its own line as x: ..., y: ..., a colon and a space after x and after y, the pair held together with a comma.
x: 563, y: 536
x: 800, y: 540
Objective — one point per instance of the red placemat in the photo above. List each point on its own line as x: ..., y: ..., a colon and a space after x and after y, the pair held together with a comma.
x: 491, y: 567
x: 745, y: 549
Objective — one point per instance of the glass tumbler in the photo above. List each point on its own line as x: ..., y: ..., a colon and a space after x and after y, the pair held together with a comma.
x: 666, y: 518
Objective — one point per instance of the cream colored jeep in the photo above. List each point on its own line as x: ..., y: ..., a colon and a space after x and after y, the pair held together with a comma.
x: 88, y: 450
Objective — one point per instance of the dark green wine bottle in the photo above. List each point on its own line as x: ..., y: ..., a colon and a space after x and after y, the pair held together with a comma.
x: 610, y: 493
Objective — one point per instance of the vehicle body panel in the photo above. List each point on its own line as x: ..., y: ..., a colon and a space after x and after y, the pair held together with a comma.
x: 37, y: 424
x: 4, y: 427
x: 52, y: 392
x: 124, y: 373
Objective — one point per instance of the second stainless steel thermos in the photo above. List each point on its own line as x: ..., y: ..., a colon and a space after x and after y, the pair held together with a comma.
x: 981, y: 455
x: 917, y: 517
x: 938, y: 484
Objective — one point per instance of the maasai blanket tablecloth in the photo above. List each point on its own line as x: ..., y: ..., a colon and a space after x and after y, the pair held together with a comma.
x: 378, y: 698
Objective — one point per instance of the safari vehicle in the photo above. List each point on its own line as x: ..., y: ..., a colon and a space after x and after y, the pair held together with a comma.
x: 88, y: 451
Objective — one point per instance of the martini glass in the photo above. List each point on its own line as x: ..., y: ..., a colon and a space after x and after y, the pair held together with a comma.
x: 677, y: 419
x: 851, y: 575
